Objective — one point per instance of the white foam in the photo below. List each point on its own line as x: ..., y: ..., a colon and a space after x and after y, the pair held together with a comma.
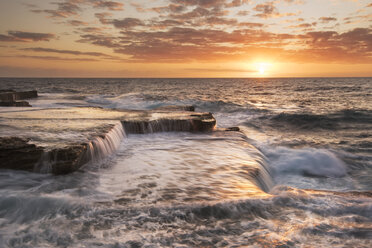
x: 100, y: 148
x: 309, y: 161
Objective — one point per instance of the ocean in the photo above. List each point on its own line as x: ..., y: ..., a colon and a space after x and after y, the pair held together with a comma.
x: 310, y: 137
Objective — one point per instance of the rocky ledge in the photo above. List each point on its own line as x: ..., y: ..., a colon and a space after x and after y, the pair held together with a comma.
x: 60, y: 141
x: 10, y: 98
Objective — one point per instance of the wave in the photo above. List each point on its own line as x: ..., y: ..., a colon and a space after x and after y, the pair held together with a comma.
x: 135, y: 101
x: 23, y: 209
x: 314, y: 121
x: 220, y: 106
x: 308, y: 162
x: 141, y: 101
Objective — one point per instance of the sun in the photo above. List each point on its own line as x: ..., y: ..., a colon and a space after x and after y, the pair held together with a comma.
x: 262, y: 68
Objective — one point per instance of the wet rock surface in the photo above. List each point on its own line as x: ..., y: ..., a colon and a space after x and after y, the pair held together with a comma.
x: 9, y: 98
x: 18, y: 154
x: 15, y: 104
x: 177, y: 108
x: 68, y: 159
x: 58, y: 140
x: 200, y: 122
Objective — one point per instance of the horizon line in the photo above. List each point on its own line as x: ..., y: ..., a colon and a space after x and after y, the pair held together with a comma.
x: 1, y: 77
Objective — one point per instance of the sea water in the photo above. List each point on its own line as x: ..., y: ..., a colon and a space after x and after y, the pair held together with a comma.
x: 299, y: 174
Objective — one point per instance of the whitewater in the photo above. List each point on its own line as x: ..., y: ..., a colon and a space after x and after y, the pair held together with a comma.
x: 297, y: 174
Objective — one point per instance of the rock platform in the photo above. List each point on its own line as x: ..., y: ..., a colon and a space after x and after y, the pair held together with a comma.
x: 61, y: 140
x: 10, y: 98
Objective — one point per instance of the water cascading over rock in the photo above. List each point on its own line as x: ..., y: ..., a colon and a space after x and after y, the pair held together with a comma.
x: 101, y: 147
x: 71, y: 158
x: 61, y: 140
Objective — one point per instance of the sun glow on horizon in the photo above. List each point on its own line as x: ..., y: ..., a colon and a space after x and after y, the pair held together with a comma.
x: 262, y: 68
x: 227, y: 38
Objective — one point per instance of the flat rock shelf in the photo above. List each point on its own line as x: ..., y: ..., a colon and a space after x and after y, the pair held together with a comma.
x: 60, y: 141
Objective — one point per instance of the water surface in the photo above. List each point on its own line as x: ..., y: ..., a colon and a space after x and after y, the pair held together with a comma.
x: 299, y: 174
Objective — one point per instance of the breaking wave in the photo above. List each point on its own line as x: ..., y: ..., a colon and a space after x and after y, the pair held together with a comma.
x: 314, y: 121
x: 308, y: 162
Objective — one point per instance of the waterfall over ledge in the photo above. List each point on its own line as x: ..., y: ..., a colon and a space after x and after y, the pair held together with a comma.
x: 65, y: 160
x: 101, y: 147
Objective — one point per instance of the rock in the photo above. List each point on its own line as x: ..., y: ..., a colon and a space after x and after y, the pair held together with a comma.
x: 68, y: 159
x: 232, y: 129
x: 61, y: 138
x: 7, y: 90
x: 177, y: 108
x: 15, y: 104
x: 17, y: 154
x: 200, y: 122
x: 11, y: 96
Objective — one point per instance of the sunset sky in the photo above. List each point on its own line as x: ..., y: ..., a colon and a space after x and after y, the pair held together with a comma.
x: 185, y: 38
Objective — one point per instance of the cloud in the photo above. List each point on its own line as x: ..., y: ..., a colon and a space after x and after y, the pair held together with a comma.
x: 54, y: 58
x: 306, y: 26
x: 20, y: 36
x: 99, y: 40
x: 357, y: 19
x: 327, y: 19
x: 266, y: 10
x: 185, y: 44
x: 181, y: 44
x: 251, y: 24
x: 91, y: 30
x: 236, y: 3
x: 243, y: 13
x: 77, y: 23
x: 269, y: 10
x: 103, y: 17
x: 200, y: 3
x: 64, y: 9
x: 68, y: 8
x: 211, y: 30
x: 71, y: 52
x: 127, y: 23
x: 110, y: 5
x: 224, y: 70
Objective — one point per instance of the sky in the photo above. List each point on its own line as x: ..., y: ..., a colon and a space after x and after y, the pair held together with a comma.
x: 185, y: 38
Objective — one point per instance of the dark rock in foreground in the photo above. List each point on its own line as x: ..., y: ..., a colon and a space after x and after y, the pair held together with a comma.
x: 18, y: 154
